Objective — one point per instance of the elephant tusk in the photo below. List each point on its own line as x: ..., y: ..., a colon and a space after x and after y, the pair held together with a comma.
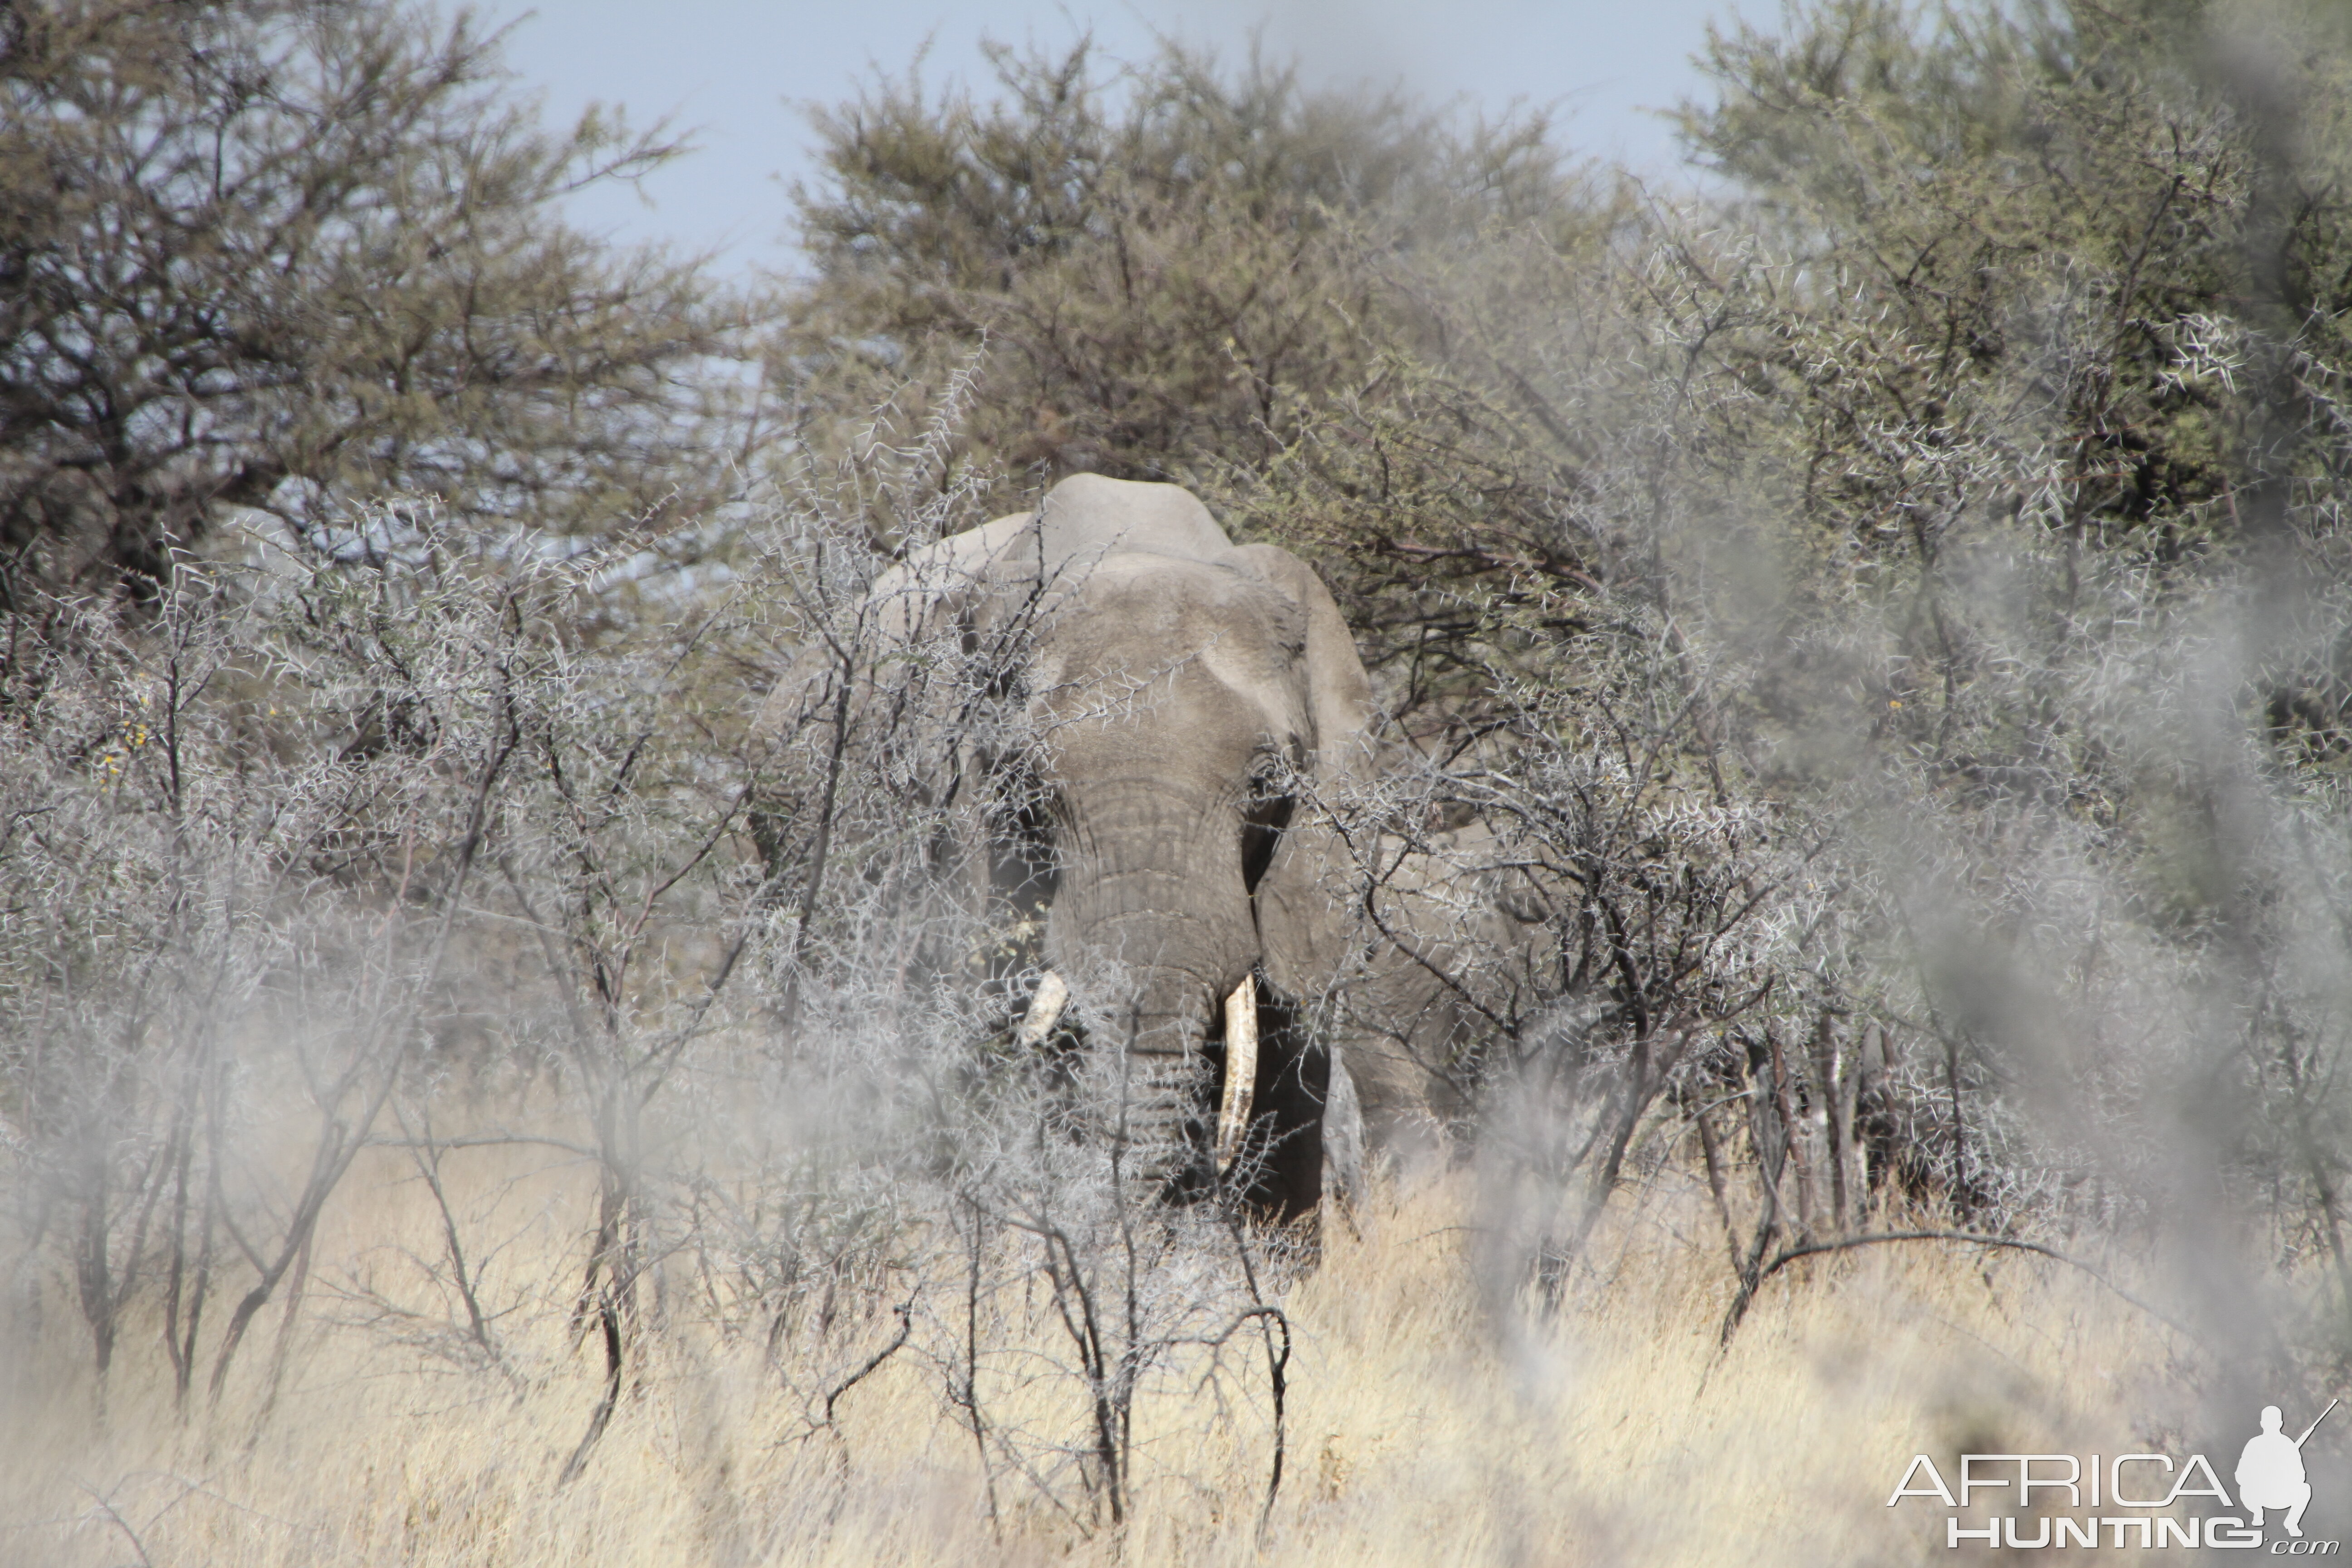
x: 1045, y: 1008
x: 1241, y: 1070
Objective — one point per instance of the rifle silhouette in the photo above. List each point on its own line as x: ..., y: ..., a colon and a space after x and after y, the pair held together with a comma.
x: 2315, y: 1426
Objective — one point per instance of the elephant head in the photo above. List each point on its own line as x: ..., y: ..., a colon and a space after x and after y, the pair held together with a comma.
x: 1180, y: 693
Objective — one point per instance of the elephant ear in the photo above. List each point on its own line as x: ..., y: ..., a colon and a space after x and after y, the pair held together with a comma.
x: 1301, y: 902
x: 1338, y: 695
x: 865, y: 660
x: 950, y: 584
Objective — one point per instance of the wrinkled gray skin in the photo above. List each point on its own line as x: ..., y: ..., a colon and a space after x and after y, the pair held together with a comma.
x: 1454, y: 946
x: 1181, y: 687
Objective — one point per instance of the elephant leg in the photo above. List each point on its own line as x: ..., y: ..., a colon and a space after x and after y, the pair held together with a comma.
x: 1343, y: 1135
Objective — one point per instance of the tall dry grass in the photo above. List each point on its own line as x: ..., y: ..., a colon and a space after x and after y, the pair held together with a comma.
x: 1423, y: 1426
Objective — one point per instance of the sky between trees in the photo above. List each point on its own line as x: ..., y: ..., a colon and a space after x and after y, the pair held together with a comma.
x: 738, y: 75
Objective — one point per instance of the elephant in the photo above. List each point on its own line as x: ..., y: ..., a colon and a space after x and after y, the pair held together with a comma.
x: 1454, y: 946
x: 1184, y: 694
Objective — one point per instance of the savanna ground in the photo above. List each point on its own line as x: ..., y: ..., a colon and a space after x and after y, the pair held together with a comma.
x: 1615, y: 1432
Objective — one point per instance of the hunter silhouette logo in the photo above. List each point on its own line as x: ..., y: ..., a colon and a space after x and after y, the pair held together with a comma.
x: 2270, y: 1472
x: 2131, y: 1500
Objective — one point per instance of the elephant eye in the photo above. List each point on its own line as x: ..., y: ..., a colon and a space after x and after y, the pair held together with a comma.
x: 1265, y: 813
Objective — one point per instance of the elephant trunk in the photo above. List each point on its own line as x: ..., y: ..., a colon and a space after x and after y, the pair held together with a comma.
x: 1153, y: 923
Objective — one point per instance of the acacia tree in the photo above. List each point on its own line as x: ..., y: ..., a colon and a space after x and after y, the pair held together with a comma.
x: 278, y: 254
x: 1162, y: 266
x: 2117, y: 233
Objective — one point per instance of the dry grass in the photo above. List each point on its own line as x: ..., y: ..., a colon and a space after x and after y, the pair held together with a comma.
x: 1418, y: 1433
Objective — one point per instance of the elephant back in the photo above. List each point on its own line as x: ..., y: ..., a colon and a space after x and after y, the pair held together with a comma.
x: 1088, y: 517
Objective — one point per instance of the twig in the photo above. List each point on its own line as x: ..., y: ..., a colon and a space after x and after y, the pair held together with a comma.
x: 611, y: 1397
x: 1740, y: 1302
x: 905, y: 1326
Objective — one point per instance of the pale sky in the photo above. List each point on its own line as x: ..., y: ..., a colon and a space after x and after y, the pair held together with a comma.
x: 739, y: 72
